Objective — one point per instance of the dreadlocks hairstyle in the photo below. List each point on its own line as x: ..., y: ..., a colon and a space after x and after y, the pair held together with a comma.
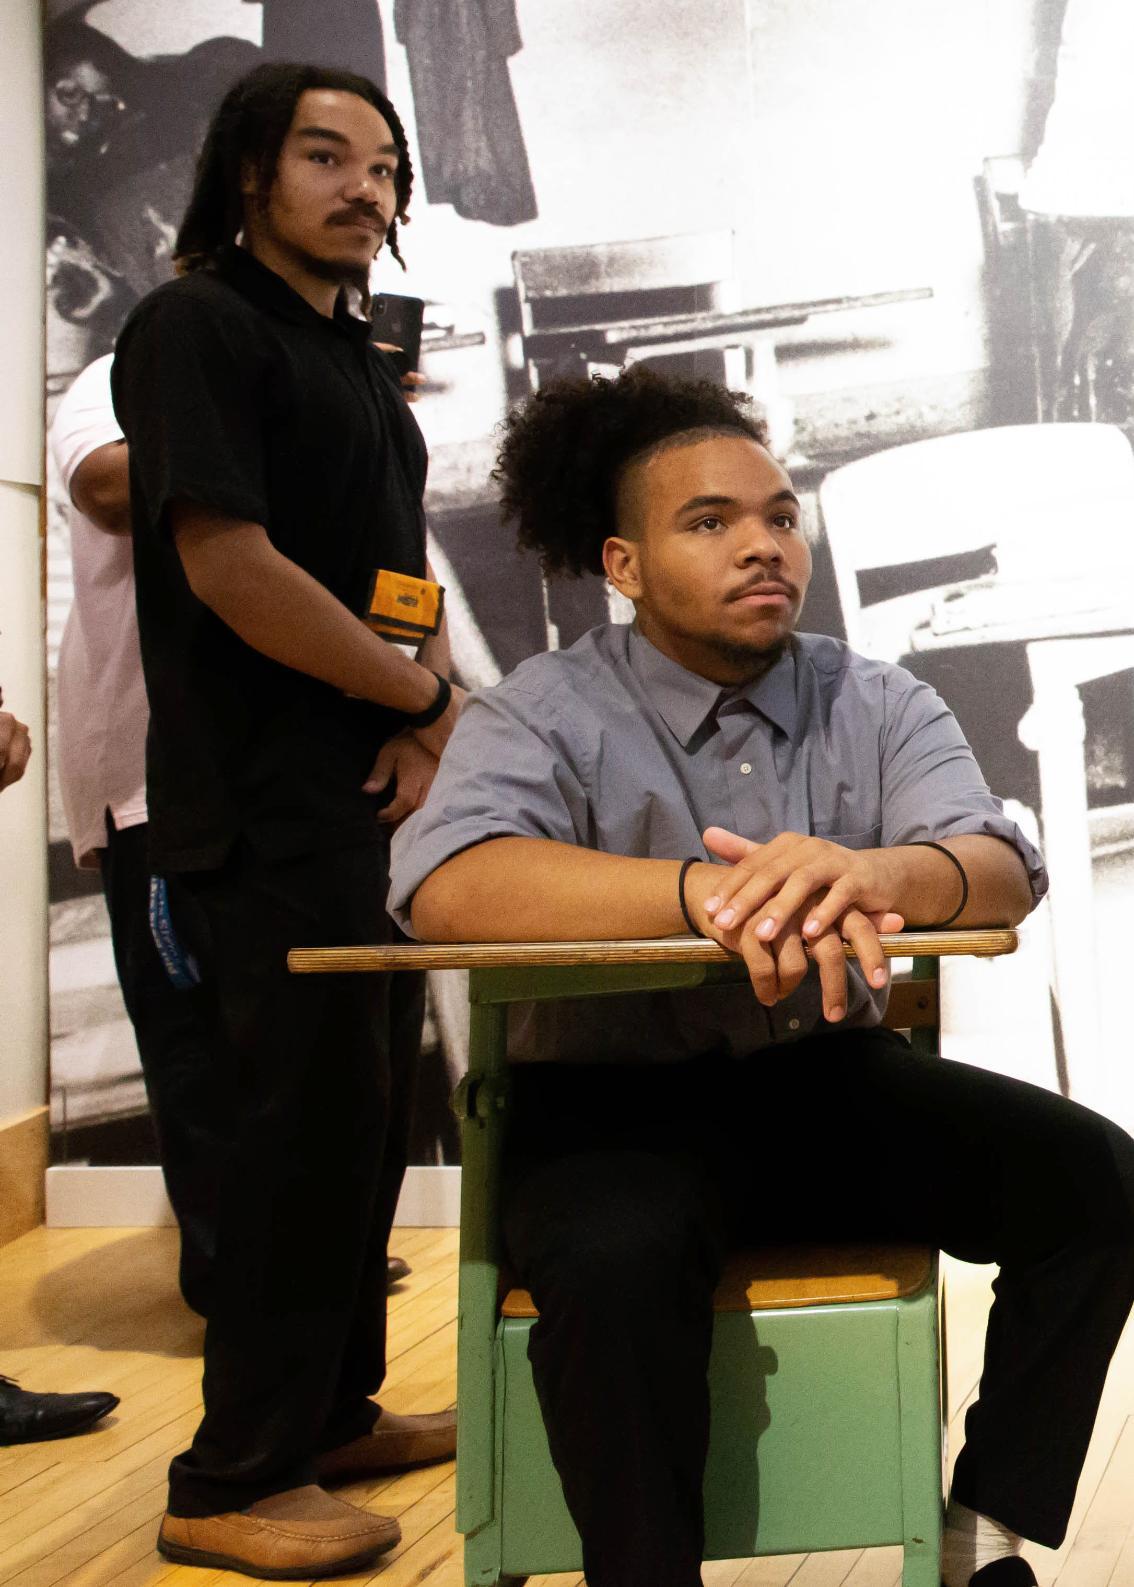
x: 564, y: 451
x: 250, y: 126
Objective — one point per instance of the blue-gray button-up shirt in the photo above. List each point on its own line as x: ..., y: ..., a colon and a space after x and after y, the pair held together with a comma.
x: 613, y: 746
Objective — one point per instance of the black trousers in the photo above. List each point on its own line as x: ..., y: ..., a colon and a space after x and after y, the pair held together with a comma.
x: 176, y: 1032
x: 627, y: 1182
x: 319, y: 1088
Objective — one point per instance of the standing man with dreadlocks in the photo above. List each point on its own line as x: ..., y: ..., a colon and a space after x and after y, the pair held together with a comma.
x: 276, y: 481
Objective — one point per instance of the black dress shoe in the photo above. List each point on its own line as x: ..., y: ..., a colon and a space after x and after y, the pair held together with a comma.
x: 397, y: 1268
x: 1011, y: 1571
x: 27, y: 1418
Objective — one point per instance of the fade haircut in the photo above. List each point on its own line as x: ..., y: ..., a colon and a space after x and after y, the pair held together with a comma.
x: 249, y: 128
x: 565, y: 450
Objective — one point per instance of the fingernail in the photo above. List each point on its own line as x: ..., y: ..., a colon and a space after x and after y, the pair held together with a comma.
x: 712, y: 905
x: 878, y: 977
x: 766, y: 929
x: 726, y: 917
x: 810, y: 927
x: 835, y: 1014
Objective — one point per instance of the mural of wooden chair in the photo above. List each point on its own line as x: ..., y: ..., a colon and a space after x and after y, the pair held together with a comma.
x: 1013, y: 495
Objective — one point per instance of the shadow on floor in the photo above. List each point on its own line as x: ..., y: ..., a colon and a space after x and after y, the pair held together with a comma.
x: 140, y: 1307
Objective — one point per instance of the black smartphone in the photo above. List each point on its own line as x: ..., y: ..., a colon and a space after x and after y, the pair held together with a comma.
x: 397, y: 321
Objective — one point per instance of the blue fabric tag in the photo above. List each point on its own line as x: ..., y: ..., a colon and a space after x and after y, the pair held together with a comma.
x: 180, y: 965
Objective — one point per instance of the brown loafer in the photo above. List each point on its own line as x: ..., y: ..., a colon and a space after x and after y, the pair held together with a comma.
x: 294, y: 1536
x: 394, y: 1443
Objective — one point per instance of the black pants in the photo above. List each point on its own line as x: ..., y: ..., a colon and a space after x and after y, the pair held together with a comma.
x: 622, y: 1183
x: 319, y: 1090
x: 176, y: 1032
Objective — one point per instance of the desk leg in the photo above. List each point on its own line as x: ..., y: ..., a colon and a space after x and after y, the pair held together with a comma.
x: 481, y: 1134
x: 1055, y: 730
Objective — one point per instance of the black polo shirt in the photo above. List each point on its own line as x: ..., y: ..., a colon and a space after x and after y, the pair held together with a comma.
x: 234, y: 393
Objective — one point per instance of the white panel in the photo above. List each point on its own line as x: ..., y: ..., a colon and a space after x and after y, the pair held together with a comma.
x: 21, y: 244
x: 23, y: 830
x: 107, y: 1198
x: 430, y: 1199
x: 134, y: 1198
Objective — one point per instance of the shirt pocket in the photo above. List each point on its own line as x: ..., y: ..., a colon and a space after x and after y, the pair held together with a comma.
x: 871, y: 838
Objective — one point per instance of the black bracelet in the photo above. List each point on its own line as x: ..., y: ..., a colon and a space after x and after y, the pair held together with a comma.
x: 440, y: 705
x: 681, y: 875
x: 927, y: 843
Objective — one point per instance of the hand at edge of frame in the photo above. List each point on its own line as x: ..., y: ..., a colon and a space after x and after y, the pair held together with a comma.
x: 15, y: 748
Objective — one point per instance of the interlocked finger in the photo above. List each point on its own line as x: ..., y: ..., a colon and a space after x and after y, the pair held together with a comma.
x: 860, y: 933
x: 829, y: 954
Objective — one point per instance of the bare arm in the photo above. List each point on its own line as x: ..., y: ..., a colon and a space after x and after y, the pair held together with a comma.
x: 537, y: 890
x: 404, y: 757
x: 532, y: 889
x: 435, y: 653
x: 100, y: 487
x: 281, y: 611
x: 930, y: 887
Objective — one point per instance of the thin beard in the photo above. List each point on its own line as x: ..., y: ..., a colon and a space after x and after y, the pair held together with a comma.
x: 748, y: 655
x: 341, y: 275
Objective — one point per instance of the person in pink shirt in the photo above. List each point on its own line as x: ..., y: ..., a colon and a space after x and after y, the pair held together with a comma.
x: 103, y: 717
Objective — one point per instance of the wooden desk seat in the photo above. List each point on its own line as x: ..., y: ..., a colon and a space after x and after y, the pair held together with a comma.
x: 777, y: 1277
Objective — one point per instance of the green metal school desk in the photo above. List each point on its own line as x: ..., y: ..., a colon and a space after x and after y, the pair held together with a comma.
x: 826, y: 1372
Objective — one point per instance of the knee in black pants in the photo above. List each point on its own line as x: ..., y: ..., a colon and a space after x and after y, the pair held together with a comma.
x: 611, y: 1229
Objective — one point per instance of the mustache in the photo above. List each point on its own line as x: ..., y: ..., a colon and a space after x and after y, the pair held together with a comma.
x: 358, y: 216
x: 767, y: 583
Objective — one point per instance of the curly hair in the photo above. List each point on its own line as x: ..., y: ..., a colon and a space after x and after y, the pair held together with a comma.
x: 250, y: 125
x: 564, y: 451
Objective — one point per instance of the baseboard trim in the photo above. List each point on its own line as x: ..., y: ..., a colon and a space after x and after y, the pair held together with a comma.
x: 23, y: 1162
x: 81, y: 1197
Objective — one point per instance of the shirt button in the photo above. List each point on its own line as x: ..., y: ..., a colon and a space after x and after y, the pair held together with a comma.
x: 793, y: 1024
x: 745, y: 768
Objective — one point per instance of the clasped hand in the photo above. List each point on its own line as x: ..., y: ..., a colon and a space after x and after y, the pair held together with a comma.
x: 777, y: 904
x: 404, y: 771
x: 407, y: 764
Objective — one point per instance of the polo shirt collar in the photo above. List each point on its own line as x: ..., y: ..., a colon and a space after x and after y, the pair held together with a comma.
x: 267, y: 290
x: 684, y: 700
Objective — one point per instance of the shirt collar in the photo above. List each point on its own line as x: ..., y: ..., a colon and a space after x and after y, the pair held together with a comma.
x: 267, y: 290
x: 684, y: 700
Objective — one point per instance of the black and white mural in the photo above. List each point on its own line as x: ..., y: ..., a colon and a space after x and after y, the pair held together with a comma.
x: 907, y: 230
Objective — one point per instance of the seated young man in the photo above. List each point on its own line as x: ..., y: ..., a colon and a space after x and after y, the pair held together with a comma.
x: 820, y: 797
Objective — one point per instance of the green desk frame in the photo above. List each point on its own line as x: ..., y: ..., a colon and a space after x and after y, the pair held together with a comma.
x: 805, y: 1453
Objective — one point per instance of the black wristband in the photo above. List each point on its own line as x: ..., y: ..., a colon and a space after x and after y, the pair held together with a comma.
x: 681, y: 875
x: 440, y: 705
x: 927, y: 843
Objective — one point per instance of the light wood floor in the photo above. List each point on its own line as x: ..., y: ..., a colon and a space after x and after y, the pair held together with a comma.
x: 86, y: 1309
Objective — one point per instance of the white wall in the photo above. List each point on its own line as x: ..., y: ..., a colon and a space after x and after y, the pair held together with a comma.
x: 23, y: 864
